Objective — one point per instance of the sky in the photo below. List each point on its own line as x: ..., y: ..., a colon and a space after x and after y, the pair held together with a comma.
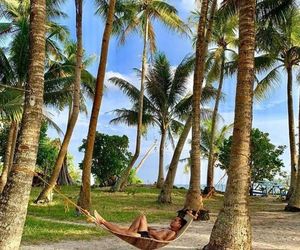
x: 270, y: 115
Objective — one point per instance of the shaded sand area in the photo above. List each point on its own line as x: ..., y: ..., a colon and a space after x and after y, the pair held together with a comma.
x: 273, y: 229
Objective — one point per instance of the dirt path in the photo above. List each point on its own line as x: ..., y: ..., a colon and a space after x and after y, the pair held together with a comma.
x: 271, y: 230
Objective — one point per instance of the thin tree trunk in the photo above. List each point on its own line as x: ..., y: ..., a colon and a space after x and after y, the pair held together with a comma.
x: 211, y: 161
x: 13, y: 146
x: 232, y: 230
x: 8, y: 153
x: 122, y: 181
x: 293, y: 153
x: 144, y: 158
x: 15, y: 196
x: 47, y: 191
x: 193, y: 198
x: 294, y: 201
x: 166, y: 191
x: 85, y: 192
x: 160, y: 177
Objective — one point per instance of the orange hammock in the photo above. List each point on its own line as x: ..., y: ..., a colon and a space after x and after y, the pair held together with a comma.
x: 150, y: 243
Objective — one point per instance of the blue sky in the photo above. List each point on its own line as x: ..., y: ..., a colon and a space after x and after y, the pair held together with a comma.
x: 269, y: 116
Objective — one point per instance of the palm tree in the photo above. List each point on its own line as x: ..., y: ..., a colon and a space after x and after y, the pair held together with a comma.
x: 193, y: 198
x: 14, y: 199
x: 224, y: 36
x: 15, y: 67
x: 145, y: 12
x: 84, y: 199
x: 44, y: 195
x: 234, y: 219
x: 294, y: 202
x: 57, y: 92
x: 164, y: 91
x: 284, y: 53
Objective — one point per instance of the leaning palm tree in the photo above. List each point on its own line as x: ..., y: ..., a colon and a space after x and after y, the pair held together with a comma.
x: 164, y: 90
x: 144, y: 14
x: 84, y: 199
x: 234, y: 219
x: 75, y: 107
x: 14, y: 199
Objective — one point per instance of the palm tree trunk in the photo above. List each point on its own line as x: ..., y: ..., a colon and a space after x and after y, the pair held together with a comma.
x: 161, y: 178
x: 122, y: 181
x: 211, y: 161
x: 15, y: 196
x: 9, y: 151
x: 232, y: 230
x: 47, y: 191
x: 64, y: 177
x: 294, y: 201
x: 166, y: 191
x: 193, y: 198
x: 85, y: 193
x: 293, y: 153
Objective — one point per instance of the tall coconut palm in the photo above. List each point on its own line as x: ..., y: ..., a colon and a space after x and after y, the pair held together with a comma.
x: 294, y: 202
x: 232, y: 230
x: 14, y: 199
x: 164, y: 91
x: 285, y: 53
x: 193, y: 198
x: 224, y: 36
x: 276, y: 21
x: 145, y: 12
x: 44, y: 195
x: 84, y: 199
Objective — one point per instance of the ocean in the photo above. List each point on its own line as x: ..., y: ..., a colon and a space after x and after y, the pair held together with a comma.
x: 218, y: 187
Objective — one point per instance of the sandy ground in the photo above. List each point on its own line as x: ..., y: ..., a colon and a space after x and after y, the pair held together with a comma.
x: 271, y: 230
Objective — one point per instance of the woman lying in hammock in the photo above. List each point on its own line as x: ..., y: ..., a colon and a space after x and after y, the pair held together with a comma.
x: 139, y: 228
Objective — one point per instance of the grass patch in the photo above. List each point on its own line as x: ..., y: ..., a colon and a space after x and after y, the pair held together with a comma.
x: 120, y: 207
x: 39, y: 231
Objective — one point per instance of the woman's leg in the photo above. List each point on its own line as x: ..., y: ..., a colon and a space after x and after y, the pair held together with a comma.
x: 113, y: 227
x: 140, y: 224
x: 134, y: 227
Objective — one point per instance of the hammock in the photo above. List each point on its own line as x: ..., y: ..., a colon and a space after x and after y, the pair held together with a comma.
x: 138, y: 242
x: 150, y: 243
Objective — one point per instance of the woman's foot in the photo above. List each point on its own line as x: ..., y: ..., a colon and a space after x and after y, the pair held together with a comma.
x: 98, y: 217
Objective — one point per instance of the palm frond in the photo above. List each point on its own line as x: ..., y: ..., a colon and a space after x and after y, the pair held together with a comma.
x: 267, y: 84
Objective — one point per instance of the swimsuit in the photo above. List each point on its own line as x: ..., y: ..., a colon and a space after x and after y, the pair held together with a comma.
x: 144, y: 234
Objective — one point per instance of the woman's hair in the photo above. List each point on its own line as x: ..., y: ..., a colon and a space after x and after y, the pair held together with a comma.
x: 182, y: 222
